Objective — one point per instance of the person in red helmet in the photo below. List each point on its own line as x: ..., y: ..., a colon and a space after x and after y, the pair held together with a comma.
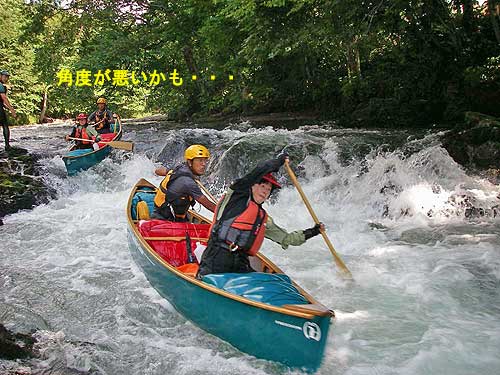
x: 82, y: 131
x: 240, y: 223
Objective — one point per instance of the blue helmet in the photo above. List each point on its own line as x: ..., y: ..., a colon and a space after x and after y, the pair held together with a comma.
x: 4, y: 73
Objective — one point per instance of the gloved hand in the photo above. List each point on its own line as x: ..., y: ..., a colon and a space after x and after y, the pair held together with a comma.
x: 314, y: 231
x: 97, y: 139
x: 282, y: 157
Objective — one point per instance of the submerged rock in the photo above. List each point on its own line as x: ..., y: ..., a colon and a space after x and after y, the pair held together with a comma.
x: 476, y: 142
x: 15, y: 345
x: 39, y: 352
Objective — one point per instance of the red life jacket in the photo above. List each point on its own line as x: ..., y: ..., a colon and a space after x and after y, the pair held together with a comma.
x: 244, y: 232
x: 82, y: 133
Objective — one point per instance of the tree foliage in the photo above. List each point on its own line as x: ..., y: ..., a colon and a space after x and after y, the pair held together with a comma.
x: 423, y: 59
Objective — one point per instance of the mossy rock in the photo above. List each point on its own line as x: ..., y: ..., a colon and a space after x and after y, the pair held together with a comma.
x: 19, y: 191
x: 476, y: 142
x: 473, y: 119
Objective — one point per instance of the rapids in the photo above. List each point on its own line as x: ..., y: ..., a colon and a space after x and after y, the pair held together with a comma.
x: 419, y: 234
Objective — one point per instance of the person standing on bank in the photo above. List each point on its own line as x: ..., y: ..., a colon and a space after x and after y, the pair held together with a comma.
x: 240, y: 223
x: 4, y: 102
x: 179, y: 191
x: 102, y: 118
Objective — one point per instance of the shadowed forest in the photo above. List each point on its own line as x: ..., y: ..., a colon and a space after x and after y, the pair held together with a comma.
x: 365, y: 63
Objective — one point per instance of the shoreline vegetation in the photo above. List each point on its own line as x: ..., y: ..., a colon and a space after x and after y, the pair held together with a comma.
x: 381, y: 64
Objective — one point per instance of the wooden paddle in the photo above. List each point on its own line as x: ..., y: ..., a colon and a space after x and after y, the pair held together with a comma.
x: 340, y: 264
x: 207, y: 193
x: 122, y: 145
x: 96, y: 123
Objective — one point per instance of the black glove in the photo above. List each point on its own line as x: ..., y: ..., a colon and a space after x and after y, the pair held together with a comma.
x: 282, y: 156
x: 311, y: 232
x: 273, y: 165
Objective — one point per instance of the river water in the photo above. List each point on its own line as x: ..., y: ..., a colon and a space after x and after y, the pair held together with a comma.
x: 419, y: 235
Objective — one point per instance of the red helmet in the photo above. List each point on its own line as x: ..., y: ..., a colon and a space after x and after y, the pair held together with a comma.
x: 270, y: 178
x: 81, y: 116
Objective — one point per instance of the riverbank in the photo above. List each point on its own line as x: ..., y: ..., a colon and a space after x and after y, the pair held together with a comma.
x: 20, y: 186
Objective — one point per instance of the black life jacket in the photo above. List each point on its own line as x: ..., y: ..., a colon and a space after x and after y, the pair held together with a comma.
x: 104, y: 115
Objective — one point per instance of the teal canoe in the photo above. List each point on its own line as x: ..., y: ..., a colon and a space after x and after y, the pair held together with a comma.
x: 77, y: 160
x: 263, y: 314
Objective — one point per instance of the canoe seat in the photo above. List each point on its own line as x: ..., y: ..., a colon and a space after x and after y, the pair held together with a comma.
x: 168, y: 239
x: 147, y: 194
x: 190, y: 269
x: 274, y: 289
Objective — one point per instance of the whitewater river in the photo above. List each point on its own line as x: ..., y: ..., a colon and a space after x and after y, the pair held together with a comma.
x: 398, y: 209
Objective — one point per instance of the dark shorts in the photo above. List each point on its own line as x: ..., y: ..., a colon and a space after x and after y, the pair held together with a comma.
x: 162, y: 213
x: 82, y: 146
x: 3, y: 117
x: 218, y: 258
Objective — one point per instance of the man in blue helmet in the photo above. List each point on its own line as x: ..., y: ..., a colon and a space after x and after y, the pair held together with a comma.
x: 4, y: 102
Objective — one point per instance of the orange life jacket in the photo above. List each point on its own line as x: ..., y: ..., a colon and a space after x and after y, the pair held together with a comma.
x: 244, y: 232
x: 82, y: 133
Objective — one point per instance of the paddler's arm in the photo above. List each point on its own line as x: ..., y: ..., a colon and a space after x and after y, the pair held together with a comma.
x: 295, y: 238
x: 7, y: 104
x: 206, y: 203
x: 256, y: 174
x: 91, y: 131
x: 161, y: 171
x: 91, y: 118
x: 72, y: 135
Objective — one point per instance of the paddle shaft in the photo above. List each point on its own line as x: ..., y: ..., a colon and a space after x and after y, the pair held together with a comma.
x: 97, y: 123
x: 205, y: 190
x: 129, y: 146
x: 337, y: 259
x: 82, y: 139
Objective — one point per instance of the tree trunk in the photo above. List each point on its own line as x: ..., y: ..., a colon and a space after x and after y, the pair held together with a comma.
x: 193, y: 69
x: 45, y: 103
x: 468, y: 16
x: 353, y: 60
x: 493, y: 11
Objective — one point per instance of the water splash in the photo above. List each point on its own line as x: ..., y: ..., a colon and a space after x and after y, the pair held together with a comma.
x: 425, y: 297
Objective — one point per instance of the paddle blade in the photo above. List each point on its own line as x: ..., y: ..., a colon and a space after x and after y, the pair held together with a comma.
x: 122, y: 145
